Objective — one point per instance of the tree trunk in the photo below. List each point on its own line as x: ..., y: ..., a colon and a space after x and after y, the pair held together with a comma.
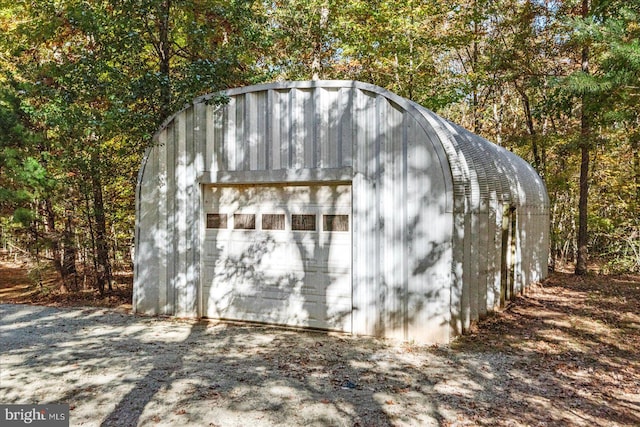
x: 475, y: 98
x: 316, y: 61
x: 164, y: 52
x: 531, y: 129
x: 585, y: 142
x: 498, y: 117
x: 70, y: 273
x: 102, y: 245
x: 91, y: 234
x: 51, y: 236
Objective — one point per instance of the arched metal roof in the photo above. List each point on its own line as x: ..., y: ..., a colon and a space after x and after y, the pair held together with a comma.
x: 429, y: 200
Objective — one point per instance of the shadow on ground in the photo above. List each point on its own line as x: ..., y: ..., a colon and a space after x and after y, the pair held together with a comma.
x: 563, y: 355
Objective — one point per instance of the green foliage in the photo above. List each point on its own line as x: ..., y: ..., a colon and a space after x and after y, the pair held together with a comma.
x: 23, y: 216
x: 84, y: 85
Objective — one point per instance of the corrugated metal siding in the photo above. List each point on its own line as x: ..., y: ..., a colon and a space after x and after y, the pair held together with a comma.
x: 500, y: 178
x: 427, y: 204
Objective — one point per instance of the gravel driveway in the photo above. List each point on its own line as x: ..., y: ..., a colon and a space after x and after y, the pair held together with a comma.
x: 116, y: 369
x: 121, y: 370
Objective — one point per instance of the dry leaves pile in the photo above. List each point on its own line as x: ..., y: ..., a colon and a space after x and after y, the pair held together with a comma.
x: 576, y: 341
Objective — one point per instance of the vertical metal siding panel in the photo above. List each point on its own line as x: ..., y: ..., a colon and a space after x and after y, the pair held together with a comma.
x: 457, y: 279
x: 471, y: 264
x: 481, y: 165
x: 522, y: 250
x: 321, y: 131
x: 242, y: 149
x: 413, y: 203
x: 397, y: 276
x: 347, y: 108
x: 462, y: 209
x: 230, y: 136
x: 297, y: 129
x: 276, y: 125
x: 392, y: 219
x: 255, y: 128
x: 376, y: 292
x: 262, y: 130
x: 211, y: 141
x: 482, y: 256
x: 529, y: 238
x: 526, y: 251
x: 428, y: 239
x: 251, y: 126
x: 220, y: 159
x: 162, y: 234
x: 537, y: 243
x: 374, y: 163
x: 307, y: 129
x: 491, y: 256
x: 366, y: 317
x: 546, y: 241
x: 200, y: 138
x: 519, y: 244
x: 459, y: 309
x: 360, y: 320
x: 289, y: 134
x: 296, y: 147
x: 539, y: 255
x: 540, y: 251
x: 204, y: 126
x: 324, y: 127
x: 532, y: 239
x: 520, y: 254
x: 192, y: 165
x: 147, y: 272
x: 283, y: 143
x: 180, y: 242
x: 533, y: 261
x: 394, y: 153
x: 268, y: 131
x: 405, y: 222
x: 497, y: 282
x: 330, y: 156
x: 363, y: 323
x: 541, y: 248
x: 171, y: 218
x: 534, y: 265
x: 319, y: 126
x: 467, y: 310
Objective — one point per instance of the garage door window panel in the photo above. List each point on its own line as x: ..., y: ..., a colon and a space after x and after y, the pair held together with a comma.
x: 303, y: 222
x: 217, y: 221
x: 244, y: 221
x: 273, y: 221
x: 335, y: 222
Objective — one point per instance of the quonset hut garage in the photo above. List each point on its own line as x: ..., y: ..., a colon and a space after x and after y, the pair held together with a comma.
x: 334, y: 205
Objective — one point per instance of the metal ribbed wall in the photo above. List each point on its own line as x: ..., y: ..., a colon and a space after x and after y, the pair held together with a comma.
x: 428, y: 201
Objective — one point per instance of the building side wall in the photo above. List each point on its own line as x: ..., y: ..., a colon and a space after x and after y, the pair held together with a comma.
x: 489, y: 181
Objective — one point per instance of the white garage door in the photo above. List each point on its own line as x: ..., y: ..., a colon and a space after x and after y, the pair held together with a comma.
x: 278, y: 254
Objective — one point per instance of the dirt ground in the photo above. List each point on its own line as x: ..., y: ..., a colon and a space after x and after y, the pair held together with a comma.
x: 566, y: 354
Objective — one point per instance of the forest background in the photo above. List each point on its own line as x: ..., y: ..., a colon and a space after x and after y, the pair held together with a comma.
x: 84, y: 85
